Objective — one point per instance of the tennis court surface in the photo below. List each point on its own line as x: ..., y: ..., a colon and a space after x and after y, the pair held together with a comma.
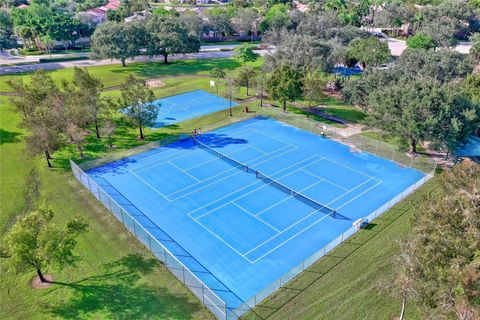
x: 188, y: 105
x: 240, y: 229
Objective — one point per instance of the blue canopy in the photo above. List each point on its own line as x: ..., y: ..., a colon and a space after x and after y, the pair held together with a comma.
x: 470, y: 148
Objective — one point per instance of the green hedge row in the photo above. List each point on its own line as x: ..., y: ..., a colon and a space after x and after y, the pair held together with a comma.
x: 60, y: 59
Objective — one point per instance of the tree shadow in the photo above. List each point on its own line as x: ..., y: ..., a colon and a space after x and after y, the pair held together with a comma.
x: 152, y: 69
x: 120, y: 292
x: 9, y: 136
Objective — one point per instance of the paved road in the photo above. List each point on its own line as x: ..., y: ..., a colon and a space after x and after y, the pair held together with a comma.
x: 7, y: 58
x: 88, y: 63
x: 398, y: 46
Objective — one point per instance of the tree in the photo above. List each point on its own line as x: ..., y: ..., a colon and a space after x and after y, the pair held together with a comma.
x: 41, y: 105
x: 246, y: 54
x: 442, y: 65
x: 247, y: 19
x: 369, y: 51
x: 475, y: 49
x: 472, y: 87
x: 457, y: 117
x: 109, y: 129
x: 7, y: 38
x: 443, y: 246
x: 423, y: 110
x: 420, y: 41
x: 192, y: 22
x: 246, y: 76
x: 217, y: 74
x: 114, y: 40
x: 35, y: 241
x: 136, y: 100
x: 448, y: 22
x: 315, y: 53
x: 313, y: 84
x: 87, y: 90
x: 276, y: 17
x: 259, y: 82
x: 77, y: 136
x: 114, y: 15
x: 400, y: 284
x: 394, y: 15
x: 230, y: 90
x: 48, y: 43
x: 219, y: 19
x: 285, y: 85
x: 167, y: 36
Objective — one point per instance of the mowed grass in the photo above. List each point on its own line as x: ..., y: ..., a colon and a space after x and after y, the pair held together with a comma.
x: 118, y: 278
x: 113, y: 75
x: 348, y: 282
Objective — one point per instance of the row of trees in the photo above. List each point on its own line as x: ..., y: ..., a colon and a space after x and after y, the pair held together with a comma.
x: 60, y: 114
x: 40, y: 24
x: 158, y: 35
x: 422, y: 98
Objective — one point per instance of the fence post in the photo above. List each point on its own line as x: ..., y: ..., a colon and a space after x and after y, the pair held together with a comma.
x: 121, y: 216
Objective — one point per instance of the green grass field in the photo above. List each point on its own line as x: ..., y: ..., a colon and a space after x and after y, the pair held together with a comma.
x: 118, y: 278
x: 112, y: 75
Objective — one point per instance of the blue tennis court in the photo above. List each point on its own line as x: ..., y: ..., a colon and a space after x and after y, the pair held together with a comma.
x: 243, y: 227
x: 188, y: 105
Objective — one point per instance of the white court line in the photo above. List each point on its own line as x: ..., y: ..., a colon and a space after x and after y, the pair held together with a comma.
x: 264, y: 185
x: 308, y: 226
x: 236, y: 191
x: 181, y: 170
x: 310, y: 214
x: 214, y: 159
x: 281, y: 244
x: 289, y: 197
x: 149, y: 185
x: 216, y: 181
x: 264, y: 222
x: 344, y: 194
x: 348, y: 167
x: 218, y: 174
x: 316, y: 176
x: 158, y: 162
x: 343, y: 205
x: 273, y: 137
x: 219, y: 238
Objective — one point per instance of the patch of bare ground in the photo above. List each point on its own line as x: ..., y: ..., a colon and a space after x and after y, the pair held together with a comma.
x: 36, y: 283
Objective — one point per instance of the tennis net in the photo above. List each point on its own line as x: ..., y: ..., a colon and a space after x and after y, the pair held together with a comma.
x: 274, y: 183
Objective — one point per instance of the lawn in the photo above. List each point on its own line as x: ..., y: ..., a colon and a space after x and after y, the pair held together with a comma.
x: 118, y: 277
x: 113, y: 75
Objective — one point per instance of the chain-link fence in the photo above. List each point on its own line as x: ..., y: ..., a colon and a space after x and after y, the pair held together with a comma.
x: 149, y: 235
x: 354, y: 139
x: 145, y: 235
x: 248, y: 305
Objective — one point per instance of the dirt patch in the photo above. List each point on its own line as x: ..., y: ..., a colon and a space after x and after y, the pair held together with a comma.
x: 155, y: 83
x: 37, y: 284
x: 333, y: 93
